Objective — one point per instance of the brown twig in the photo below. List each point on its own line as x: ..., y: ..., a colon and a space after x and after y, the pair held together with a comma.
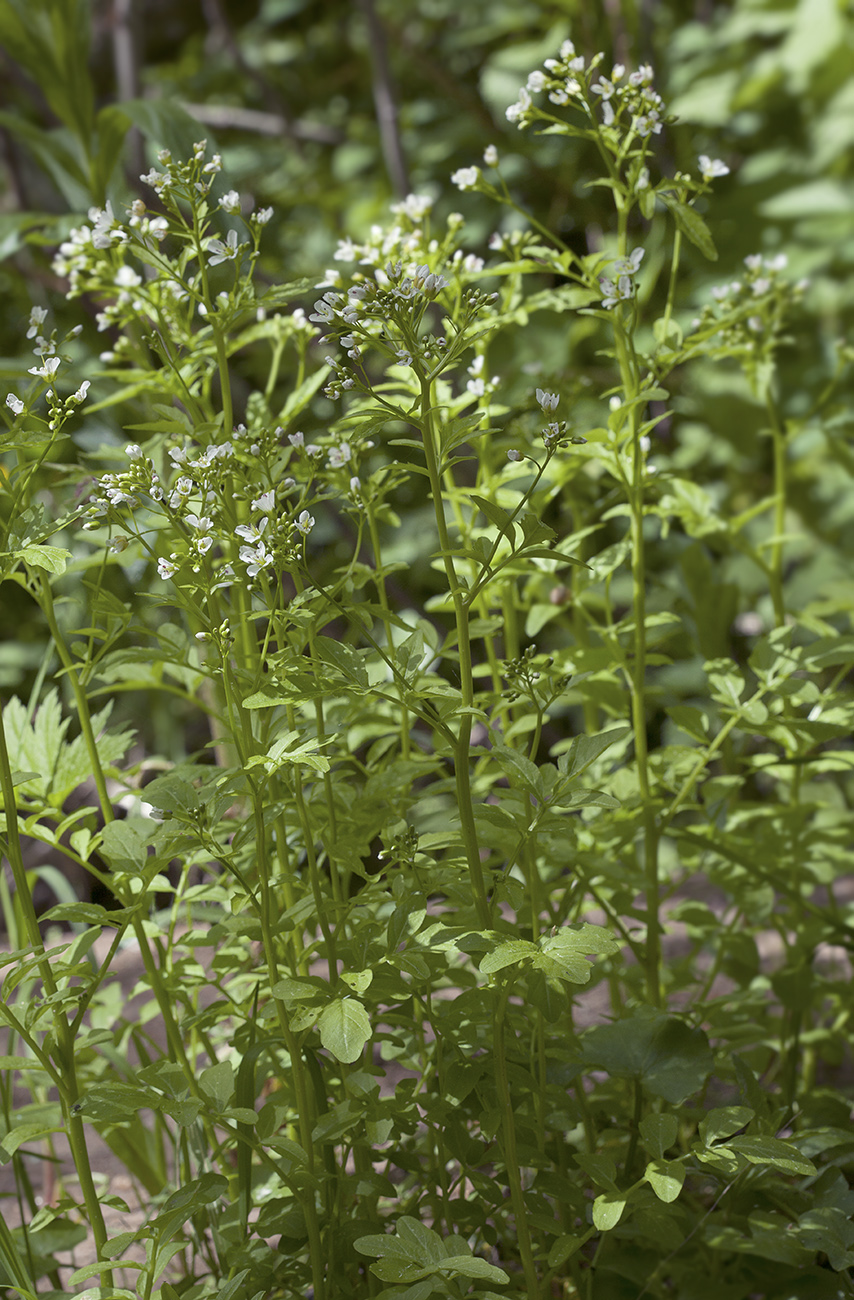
x: 385, y: 103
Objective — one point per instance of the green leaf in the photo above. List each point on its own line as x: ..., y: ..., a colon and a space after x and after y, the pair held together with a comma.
x: 217, y: 1083
x: 164, y: 122
x: 358, y: 980
x: 584, y: 750
x: 509, y: 953
x: 665, y: 1177
x: 51, y: 558
x: 125, y: 843
x: 608, y: 1210
x: 563, y: 1249
x: 772, y: 1151
x: 692, y: 225
x: 658, y: 1132
x: 668, y: 1057
x: 500, y: 518
x: 723, y: 1121
x: 474, y: 1266
x: 344, y: 1029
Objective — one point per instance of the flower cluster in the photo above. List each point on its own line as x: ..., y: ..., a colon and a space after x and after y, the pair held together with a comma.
x: 386, y: 312
x: 200, y: 500
x: 754, y: 305
x: 407, y: 238
x: 622, y: 99
x: 45, y: 349
x: 98, y: 256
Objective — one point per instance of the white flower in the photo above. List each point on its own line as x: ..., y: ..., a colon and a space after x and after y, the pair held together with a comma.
x: 297, y: 439
x: 80, y: 395
x: 222, y: 252
x: 230, y: 202
x: 466, y: 178
x: 536, y: 82
x: 37, y: 318
x: 47, y: 370
x: 255, y: 558
x: 265, y: 502
x: 517, y: 111
x: 629, y: 265
x: 477, y: 387
x: 305, y: 523
x: 127, y: 278
x: 339, y: 456
x: 753, y: 261
x: 262, y: 216
x: 778, y: 263
x: 648, y: 124
x: 615, y: 293
x: 157, y: 180
x: 414, y: 206
x: 14, y: 404
x: 252, y: 532
x: 547, y: 401
x: 603, y: 87
x: 712, y: 167
x: 513, y: 454
x: 490, y: 155
x: 166, y: 568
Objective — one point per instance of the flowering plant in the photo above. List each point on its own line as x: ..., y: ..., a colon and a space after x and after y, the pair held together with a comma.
x: 421, y: 817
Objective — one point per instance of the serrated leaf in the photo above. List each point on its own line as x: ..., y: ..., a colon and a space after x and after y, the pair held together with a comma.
x: 344, y: 1029
x: 51, y: 558
x: 510, y: 953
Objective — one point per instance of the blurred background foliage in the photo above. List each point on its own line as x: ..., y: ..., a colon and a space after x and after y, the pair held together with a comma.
x: 329, y: 111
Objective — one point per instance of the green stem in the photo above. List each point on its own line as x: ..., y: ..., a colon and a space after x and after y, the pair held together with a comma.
x: 68, y: 1091
x: 651, y: 835
x: 462, y: 741
x: 776, y: 575
x: 511, y: 1159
